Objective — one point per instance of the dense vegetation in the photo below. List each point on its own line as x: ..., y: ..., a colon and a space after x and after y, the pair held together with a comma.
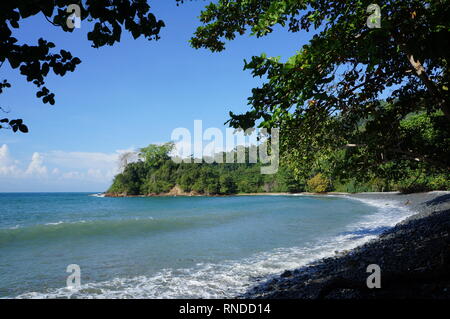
x: 366, y: 107
x: 359, y: 108
x: 154, y: 173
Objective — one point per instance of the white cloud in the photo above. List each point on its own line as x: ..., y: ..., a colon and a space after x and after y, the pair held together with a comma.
x: 36, y: 166
x: 97, y: 174
x: 72, y: 175
x: 7, y: 164
x: 58, y: 168
x: 82, y: 160
x: 94, y: 166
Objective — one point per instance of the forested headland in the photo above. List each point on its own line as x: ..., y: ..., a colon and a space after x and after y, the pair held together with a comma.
x: 153, y: 172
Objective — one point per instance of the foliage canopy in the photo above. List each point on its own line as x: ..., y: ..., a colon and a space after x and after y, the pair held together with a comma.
x: 34, y: 61
x: 377, y: 98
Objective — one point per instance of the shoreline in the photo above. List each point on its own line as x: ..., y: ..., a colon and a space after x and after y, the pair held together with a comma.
x: 414, y: 257
x: 193, y: 194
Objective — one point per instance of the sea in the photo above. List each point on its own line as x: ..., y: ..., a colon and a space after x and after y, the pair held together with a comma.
x: 172, y: 247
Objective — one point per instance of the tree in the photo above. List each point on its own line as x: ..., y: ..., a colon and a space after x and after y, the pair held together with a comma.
x: 227, y: 184
x: 328, y: 92
x: 125, y: 158
x: 285, y: 181
x: 155, y: 155
x: 319, y: 184
x: 130, y: 181
x: 35, y: 61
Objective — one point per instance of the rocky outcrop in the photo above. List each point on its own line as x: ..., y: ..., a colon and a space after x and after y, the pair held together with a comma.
x: 175, y: 191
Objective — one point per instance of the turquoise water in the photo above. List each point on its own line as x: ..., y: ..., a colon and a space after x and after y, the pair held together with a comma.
x: 170, y: 247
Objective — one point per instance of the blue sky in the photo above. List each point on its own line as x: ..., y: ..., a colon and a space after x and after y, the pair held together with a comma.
x: 121, y: 98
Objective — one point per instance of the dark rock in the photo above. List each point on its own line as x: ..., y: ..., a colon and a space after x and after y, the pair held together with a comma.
x: 287, y: 273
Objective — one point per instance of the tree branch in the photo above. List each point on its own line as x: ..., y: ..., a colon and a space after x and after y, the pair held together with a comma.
x: 429, y: 84
x: 56, y: 25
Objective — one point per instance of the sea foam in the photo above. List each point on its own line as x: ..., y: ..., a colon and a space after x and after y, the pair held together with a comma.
x: 232, y: 278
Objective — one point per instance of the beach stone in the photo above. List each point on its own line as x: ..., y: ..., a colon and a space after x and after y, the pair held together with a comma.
x: 287, y: 273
